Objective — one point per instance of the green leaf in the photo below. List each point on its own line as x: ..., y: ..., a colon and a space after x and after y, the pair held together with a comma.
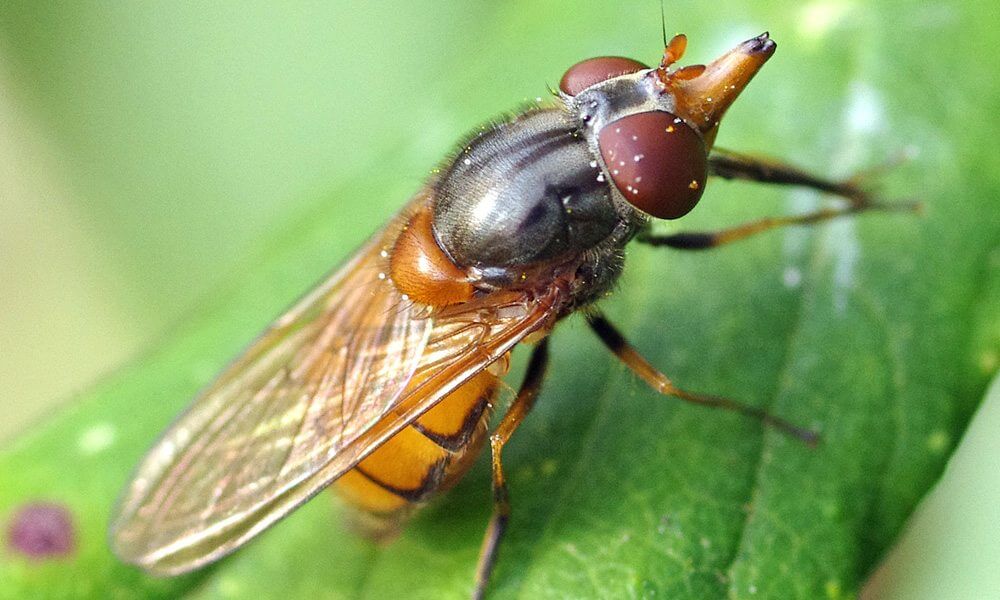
x: 948, y: 547
x: 880, y: 331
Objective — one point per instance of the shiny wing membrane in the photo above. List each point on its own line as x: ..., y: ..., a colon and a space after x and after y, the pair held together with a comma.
x: 347, y: 367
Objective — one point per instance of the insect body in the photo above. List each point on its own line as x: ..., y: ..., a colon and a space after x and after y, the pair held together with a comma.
x: 382, y: 380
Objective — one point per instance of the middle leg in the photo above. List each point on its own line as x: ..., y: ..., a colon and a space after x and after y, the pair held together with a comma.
x: 625, y: 352
x: 518, y: 410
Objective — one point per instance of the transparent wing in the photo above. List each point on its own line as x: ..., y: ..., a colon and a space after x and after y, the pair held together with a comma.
x: 346, y: 368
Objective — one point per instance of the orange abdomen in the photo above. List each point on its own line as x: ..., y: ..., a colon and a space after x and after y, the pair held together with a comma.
x: 426, y: 457
x: 433, y: 452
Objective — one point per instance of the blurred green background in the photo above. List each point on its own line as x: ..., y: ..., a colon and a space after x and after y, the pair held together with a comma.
x: 152, y: 153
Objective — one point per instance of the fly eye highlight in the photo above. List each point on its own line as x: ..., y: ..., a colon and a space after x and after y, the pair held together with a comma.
x: 656, y: 161
x: 584, y: 74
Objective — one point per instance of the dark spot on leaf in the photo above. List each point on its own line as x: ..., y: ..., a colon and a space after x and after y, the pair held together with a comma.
x: 42, y: 530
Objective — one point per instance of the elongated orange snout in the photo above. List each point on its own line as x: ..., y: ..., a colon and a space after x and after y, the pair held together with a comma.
x: 704, y: 92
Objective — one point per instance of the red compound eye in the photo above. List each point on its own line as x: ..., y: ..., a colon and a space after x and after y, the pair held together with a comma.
x: 657, y: 162
x: 584, y: 74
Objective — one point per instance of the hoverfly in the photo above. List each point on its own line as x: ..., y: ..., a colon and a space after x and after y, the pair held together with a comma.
x: 382, y: 380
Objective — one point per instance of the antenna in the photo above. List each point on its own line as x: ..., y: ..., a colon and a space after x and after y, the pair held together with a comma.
x: 663, y: 24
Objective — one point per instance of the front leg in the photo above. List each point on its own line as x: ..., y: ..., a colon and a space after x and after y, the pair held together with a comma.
x: 731, y: 165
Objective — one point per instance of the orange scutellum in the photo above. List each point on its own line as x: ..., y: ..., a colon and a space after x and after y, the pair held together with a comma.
x: 703, y: 92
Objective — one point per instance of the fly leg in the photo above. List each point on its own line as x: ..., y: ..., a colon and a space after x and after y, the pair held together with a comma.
x: 625, y: 352
x: 519, y: 409
x: 730, y: 165
x: 734, y: 165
